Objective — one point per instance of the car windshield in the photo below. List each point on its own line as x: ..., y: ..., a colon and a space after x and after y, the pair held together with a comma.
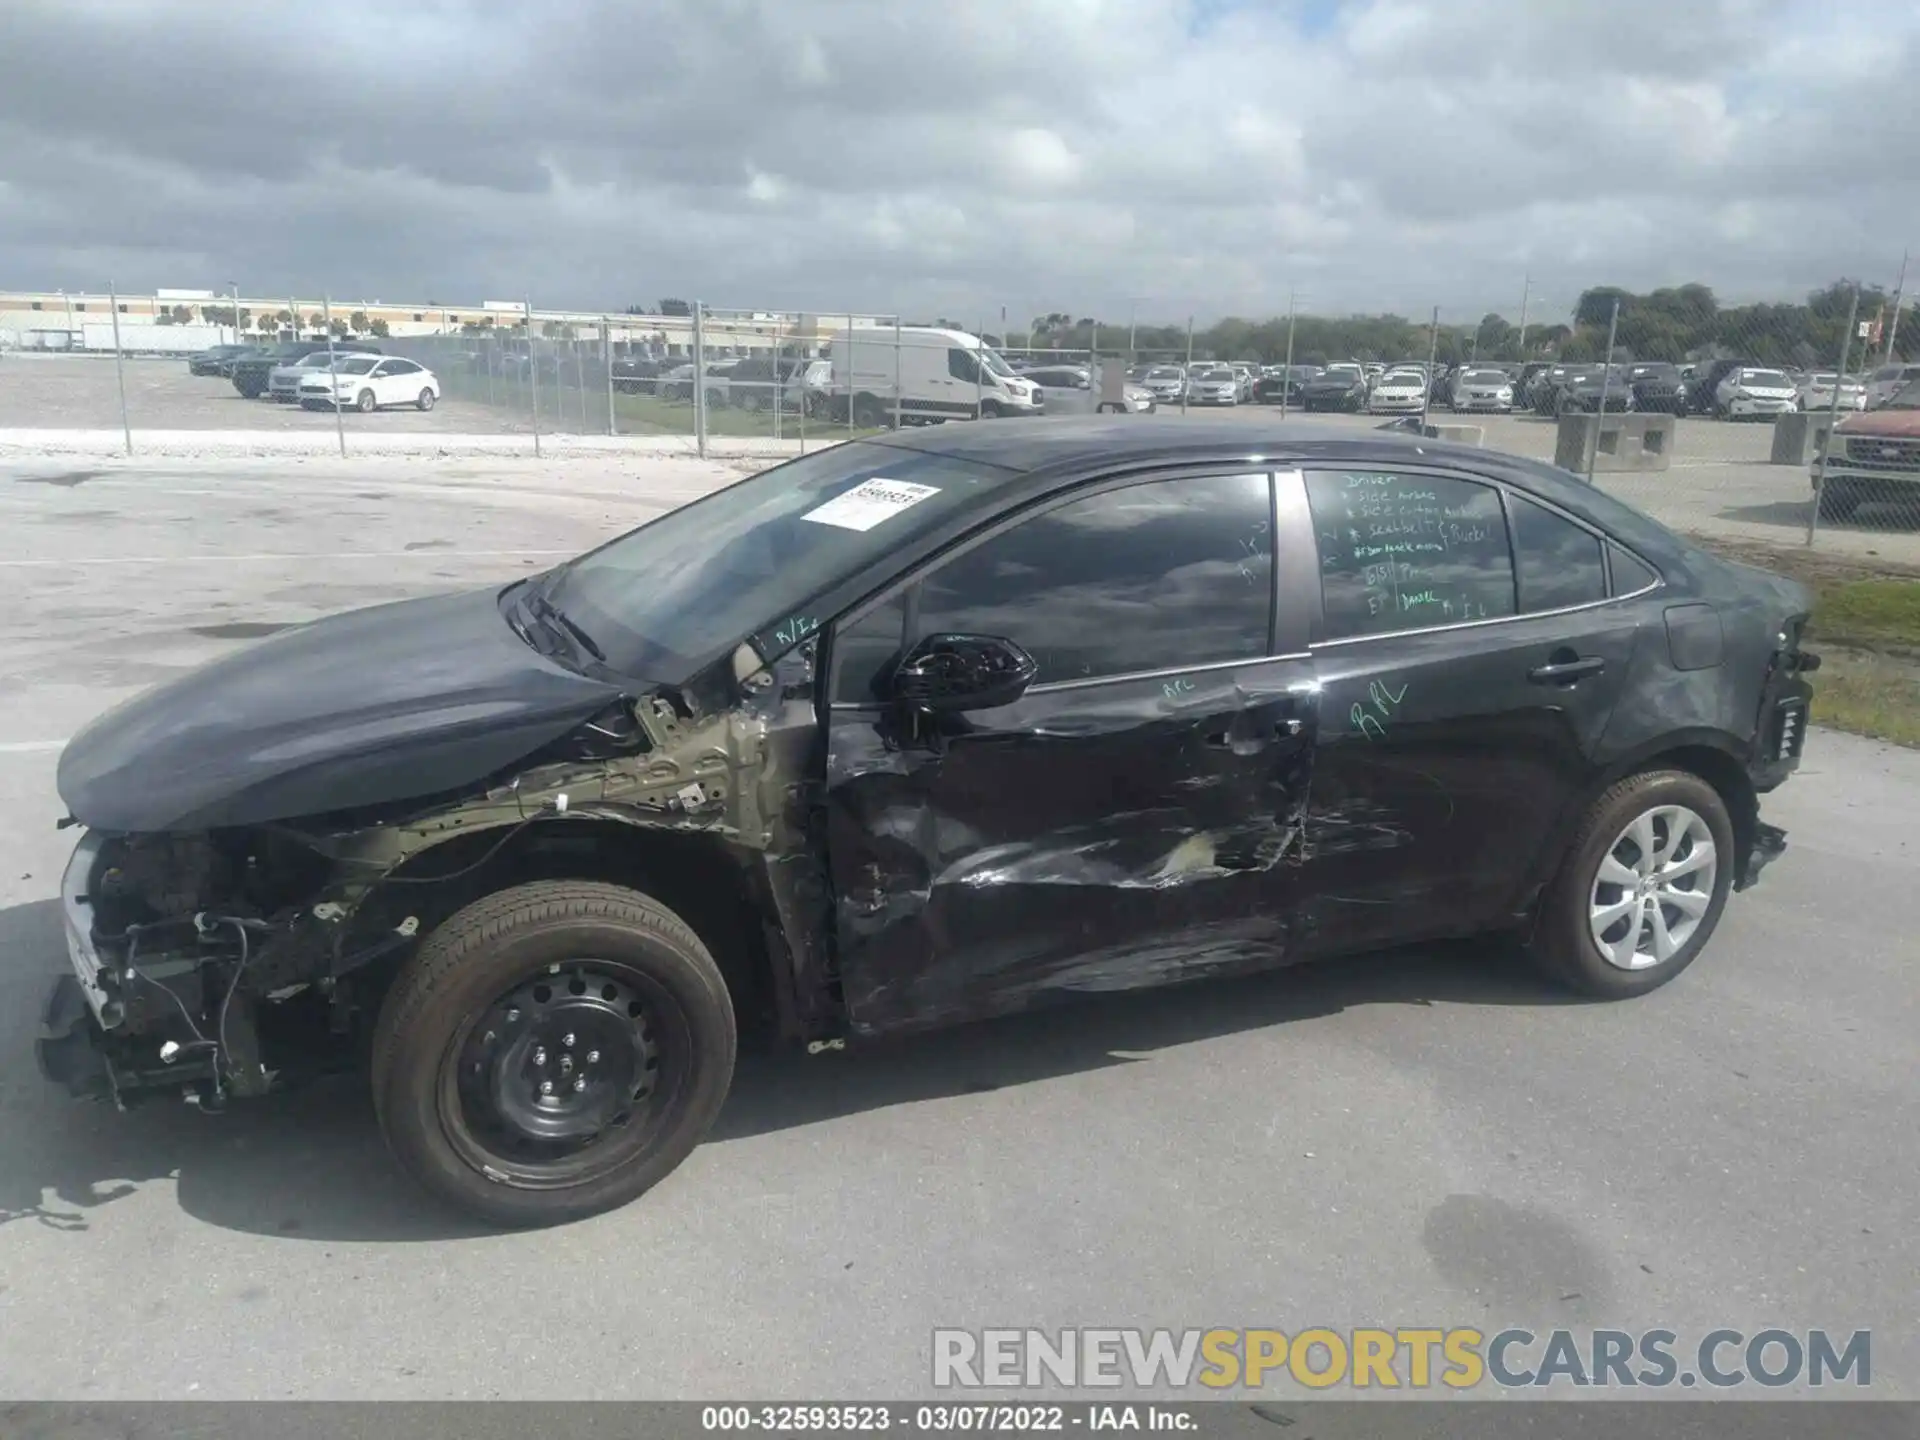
x: 358, y: 366
x: 1163, y: 373
x: 1766, y: 379
x: 668, y: 599
x: 1342, y: 372
x: 1655, y: 372
x: 1906, y: 398
x: 1402, y: 379
x: 991, y: 359
x: 1820, y: 380
x: 1486, y: 377
x: 1221, y: 373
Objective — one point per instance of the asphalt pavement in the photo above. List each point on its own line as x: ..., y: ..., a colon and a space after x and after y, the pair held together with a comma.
x: 1430, y: 1138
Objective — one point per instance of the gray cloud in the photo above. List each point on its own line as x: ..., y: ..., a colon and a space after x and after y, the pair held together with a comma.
x: 1087, y: 155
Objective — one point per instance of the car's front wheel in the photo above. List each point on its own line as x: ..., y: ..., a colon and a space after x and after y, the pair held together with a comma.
x: 1642, y: 886
x: 552, y: 1051
x: 427, y: 397
x: 367, y: 403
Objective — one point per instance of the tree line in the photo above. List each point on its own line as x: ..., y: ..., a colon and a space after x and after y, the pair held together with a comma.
x: 1678, y: 323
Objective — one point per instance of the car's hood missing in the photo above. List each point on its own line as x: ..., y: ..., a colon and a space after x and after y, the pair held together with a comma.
x: 388, y: 703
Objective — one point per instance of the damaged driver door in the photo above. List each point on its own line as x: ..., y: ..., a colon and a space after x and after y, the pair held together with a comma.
x: 1071, y: 756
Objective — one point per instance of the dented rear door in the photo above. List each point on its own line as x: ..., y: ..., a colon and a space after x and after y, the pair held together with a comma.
x: 1113, y: 829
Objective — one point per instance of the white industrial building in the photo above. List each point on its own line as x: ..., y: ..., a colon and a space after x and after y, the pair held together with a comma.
x: 177, y: 322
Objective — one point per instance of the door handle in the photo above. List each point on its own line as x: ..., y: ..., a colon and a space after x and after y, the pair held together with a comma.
x: 1565, y: 672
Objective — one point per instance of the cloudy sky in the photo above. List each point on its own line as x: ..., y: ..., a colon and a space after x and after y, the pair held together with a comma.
x: 955, y: 156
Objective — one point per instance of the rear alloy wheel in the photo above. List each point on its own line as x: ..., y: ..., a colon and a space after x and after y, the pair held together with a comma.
x: 367, y: 403
x: 427, y: 397
x: 1642, y: 888
x: 552, y: 1051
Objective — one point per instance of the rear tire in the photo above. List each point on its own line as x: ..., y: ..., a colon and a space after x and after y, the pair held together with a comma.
x: 1681, y: 867
x: 425, y: 402
x: 457, y: 1102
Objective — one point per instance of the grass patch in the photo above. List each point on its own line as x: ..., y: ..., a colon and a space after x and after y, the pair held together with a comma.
x: 1869, y: 613
x: 1868, y: 694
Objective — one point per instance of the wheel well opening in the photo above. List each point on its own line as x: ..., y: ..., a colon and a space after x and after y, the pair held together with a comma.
x: 699, y: 877
x: 1729, y: 777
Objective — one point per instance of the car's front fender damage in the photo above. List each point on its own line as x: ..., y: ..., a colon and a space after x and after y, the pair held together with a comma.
x: 223, y: 962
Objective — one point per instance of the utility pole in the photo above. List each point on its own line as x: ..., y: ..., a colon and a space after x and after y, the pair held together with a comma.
x: 1526, y: 294
x: 233, y: 287
x: 1893, y: 321
x: 1286, y: 376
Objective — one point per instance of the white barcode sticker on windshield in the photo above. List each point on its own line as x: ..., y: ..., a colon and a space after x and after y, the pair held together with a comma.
x: 869, y: 502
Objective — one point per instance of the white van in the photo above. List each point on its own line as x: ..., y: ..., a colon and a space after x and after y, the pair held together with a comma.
x: 940, y: 374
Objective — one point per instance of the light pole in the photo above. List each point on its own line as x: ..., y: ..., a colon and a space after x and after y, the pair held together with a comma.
x: 233, y: 288
x: 69, y: 299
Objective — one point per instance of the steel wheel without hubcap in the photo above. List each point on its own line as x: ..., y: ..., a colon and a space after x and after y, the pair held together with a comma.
x: 566, y: 1076
x: 1653, y: 888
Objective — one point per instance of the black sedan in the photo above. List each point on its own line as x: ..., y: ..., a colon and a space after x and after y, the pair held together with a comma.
x: 1336, y: 389
x: 1658, y: 386
x: 940, y: 725
x: 216, y: 359
x: 1593, y: 390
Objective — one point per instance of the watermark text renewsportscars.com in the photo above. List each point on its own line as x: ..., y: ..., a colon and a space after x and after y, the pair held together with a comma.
x: 1397, y: 1358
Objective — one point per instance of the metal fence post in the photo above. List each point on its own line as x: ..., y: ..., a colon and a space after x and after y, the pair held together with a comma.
x: 979, y: 377
x: 1186, y: 375
x: 533, y: 376
x: 333, y: 376
x: 853, y: 371
x: 1833, y: 414
x: 606, y: 354
x: 1606, y: 380
x: 580, y: 379
x: 1286, y: 379
x: 119, y: 364
x: 699, y: 379
x: 896, y: 372
x: 779, y: 374
x: 1433, y: 355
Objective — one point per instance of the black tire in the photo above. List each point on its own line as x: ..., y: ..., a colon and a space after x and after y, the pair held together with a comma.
x: 489, y: 951
x: 868, y: 413
x: 425, y: 402
x: 1837, y: 502
x: 1563, y: 944
x: 716, y: 399
x: 366, y: 403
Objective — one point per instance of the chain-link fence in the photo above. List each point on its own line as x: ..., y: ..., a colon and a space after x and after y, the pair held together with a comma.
x: 1780, y: 424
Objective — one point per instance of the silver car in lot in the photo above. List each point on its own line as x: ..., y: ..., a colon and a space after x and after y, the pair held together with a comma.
x: 1483, y: 390
x: 1078, y: 390
x: 1164, y: 382
x: 1213, y: 385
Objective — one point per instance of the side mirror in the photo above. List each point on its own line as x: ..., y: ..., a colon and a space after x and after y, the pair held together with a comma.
x: 947, y: 674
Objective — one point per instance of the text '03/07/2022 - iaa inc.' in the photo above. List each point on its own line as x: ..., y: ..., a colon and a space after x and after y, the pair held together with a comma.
x: 911, y: 731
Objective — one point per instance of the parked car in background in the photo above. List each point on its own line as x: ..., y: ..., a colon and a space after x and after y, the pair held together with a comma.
x: 1816, y: 392
x: 1478, y: 389
x: 1276, y: 383
x: 283, y: 381
x: 1078, y: 390
x: 1213, y: 385
x: 214, y: 359
x: 640, y: 375
x: 1888, y: 381
x: 1164, y: 383
x: 1021, y: 711
x: 1338, y: 387
x: 1754, y: 394
x: 1245, y: 374
x: 1873, y: 456
x: 250, y: 372
x: 1657, y: 386
x: 1595, y: 388
x: 1543, y: 395
x: 367, y: 383
x: 1703, y: 386
x: 1397, y: 392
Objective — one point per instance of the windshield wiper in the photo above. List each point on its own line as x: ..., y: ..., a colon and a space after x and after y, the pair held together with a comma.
x: 545, y: 610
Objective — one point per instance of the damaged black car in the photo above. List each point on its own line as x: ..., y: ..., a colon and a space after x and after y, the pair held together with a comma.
x: 905, y: 732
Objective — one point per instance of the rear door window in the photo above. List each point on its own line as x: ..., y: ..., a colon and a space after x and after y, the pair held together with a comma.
x: 1558, y: 563
x: 1408, y: 551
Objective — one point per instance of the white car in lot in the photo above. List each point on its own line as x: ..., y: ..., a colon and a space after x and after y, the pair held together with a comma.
x: 1212, y: 385
x: 1398, y: 392
x: 1816, y: 392
x: 1749, y: 394
x: 283, y: 381
x: 1483, y: 390
x: 370, y: 382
